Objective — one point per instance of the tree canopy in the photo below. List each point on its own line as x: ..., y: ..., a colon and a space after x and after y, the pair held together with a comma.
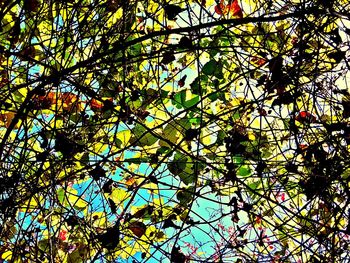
x: 174, y: 131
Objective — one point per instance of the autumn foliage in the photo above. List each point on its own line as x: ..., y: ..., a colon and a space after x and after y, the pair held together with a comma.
x: 174, y: 131
x: 231, y: 8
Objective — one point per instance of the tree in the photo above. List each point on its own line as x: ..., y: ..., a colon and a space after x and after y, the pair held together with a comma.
x: 175, y: 131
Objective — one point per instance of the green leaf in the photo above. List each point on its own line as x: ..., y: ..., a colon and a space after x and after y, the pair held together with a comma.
x: 209, y: 68
x: 244, y: 171
x: 60, y: 195
x: 163, y: 150
x: 118, y: 143
x: 199, y: 85
x: 183, y: 167
x: 181, y: 101
x: 213, y: 68
x: 185, y: 196
x: 143, y: 137
x: 178, y: 165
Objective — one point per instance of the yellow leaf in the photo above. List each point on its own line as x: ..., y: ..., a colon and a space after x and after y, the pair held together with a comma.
x: 115, y: 18
x: 119, y: 196
x: 7, y: 255
x: 99, y: 219
x: 124, y: 137
x: 33, y: 202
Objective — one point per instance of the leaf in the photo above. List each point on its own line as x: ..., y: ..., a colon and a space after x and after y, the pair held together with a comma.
x: 143, y: 136
x: 181, y: 101
x: 169, y: 223
x: 232, y: 8
x: 345, y: 102
x: 122, y: 138
x: 183, y: 167
x: 170, y: 133
x: 244, y: 171
x: 31, y: 5
x: 108, y: 186
x: 172, y: 11
x: 209, y: 67
x: 138, y: 160
x: 63, y: 235
x: 138, y: 228
x: 144, y: 213
x: 275, y: 66
x: 70, y: 102
x: 199, y: 84
x: 72, y: 221
x: 213, y: 68
x: 97, y: 173
x: 337, y: 55
x: 78, y: 202
x: 168, y: 57
x: 335, y: 36
x: 112, y: 205
x: 65, y: 145
x: 305, y: 117
x: 119, y: 196
x: 219, y: 9
x: 7, y: 255
x: 178, y: 165
x: 235, y: 9
x: 286, y: 98
x: 191, y: 134
x: 185, y: 42
x: 103, y: 105
x: 181, y: 82
x: 6, y: 119
x: 70, y: 197
x: 177, y: 256
x: 185, y: 196
x: 109, y: 239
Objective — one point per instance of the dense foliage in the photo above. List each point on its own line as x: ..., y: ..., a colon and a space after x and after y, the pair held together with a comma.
x: 174, y: 131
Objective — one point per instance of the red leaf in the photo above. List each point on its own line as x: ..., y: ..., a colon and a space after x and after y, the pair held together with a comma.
x: 142, y: 114
x: 232, y: 8
x: 219, y: 9
x: 51, y: 96
x: 181, y: 82
x: 305, y: 116
x: 63, y: 235
x: 235, y: 9
x: 138, y: 228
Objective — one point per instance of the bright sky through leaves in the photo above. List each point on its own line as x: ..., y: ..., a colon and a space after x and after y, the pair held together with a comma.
x: 174, y: 131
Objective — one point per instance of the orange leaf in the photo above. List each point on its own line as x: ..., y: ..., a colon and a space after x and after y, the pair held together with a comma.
x: 70, y: 101
x: 130, y: 181
x: 7, y: 118
x: 45, y: 101
x: 51, y: 97
x: 97, y: 105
